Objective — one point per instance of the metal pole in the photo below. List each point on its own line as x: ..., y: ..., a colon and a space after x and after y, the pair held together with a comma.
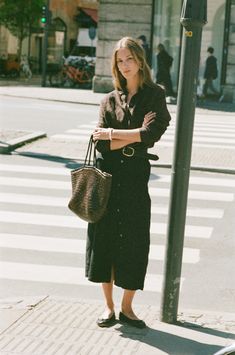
x: 193, y: 17
x: 45, y: 45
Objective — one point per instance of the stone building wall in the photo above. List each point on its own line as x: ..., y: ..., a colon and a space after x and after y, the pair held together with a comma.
x: 116, y: 20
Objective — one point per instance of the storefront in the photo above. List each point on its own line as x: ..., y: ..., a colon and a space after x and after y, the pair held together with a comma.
x: 167, y: 31
x: 228, y: 62
x: 219, y: 32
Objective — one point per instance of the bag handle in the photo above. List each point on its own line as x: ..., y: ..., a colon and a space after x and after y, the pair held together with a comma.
x: 90, y: 159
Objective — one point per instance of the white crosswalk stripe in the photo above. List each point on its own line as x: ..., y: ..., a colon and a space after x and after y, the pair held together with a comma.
x: 206, y: 134
x: 20, y: 209
x: 39, y: 200
x: 66, y: 185
x: 35, y: 169
x: 66, y: 275
x: 74, y: 222
x: 30, y: 242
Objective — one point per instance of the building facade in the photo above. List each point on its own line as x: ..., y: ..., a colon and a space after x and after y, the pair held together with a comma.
x: 66, y: 20
x: 159, y: 21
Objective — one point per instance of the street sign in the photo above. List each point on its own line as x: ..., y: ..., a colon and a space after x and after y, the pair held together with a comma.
x: 92, y: 33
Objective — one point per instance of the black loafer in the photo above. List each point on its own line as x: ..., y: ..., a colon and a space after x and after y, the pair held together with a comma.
x: 138, y: 323
x: 106, y: 322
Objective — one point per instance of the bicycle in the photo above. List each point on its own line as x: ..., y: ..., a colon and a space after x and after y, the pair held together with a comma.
x: 77, y: 72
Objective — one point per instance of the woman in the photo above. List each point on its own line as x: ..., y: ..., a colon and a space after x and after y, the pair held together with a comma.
x: 164, y: 63
x: 132, y: 118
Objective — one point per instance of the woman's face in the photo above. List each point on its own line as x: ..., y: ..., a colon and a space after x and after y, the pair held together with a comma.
x: 127, y: 64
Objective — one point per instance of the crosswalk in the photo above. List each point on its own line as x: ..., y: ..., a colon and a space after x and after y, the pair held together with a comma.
x: 34, y: 219
x: 207, y: 133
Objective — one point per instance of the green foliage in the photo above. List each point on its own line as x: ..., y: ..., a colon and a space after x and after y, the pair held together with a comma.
x: 19, y: 16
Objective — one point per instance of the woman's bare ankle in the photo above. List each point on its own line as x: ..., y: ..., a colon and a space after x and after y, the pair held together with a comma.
x: 108, y: 312
x: 128, y: 312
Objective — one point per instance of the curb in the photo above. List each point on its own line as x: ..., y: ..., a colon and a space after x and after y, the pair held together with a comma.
x: 8, y: 146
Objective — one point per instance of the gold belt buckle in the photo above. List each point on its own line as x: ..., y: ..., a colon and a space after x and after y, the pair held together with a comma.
x: 130, y: 153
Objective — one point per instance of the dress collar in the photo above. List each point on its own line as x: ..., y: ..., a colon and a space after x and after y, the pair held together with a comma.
x: 123, y: 95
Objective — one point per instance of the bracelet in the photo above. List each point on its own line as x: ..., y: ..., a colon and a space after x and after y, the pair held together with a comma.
x: 110, y: 133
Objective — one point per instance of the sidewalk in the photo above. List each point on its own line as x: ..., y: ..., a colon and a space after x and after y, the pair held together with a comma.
x: 208, y: 159
x: 60, y: 326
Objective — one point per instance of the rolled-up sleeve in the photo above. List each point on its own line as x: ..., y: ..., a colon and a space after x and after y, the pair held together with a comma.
x: 103, y: 145
x: 152, y: 130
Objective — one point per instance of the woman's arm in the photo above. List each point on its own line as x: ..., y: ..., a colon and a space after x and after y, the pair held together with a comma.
x: 127, y: 136
x: 130, y: 135
x: 153, y: 128
x: 117, y: 138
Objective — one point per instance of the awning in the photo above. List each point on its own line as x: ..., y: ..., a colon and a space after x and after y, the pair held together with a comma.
x: 91, y: 12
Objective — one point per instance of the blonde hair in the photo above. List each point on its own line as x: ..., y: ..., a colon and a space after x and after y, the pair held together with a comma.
x: 138, y: 53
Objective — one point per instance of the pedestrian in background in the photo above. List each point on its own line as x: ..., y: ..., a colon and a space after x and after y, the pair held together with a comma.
x: 164, y: 63
x: 132, y: 118
x: 210, y: 73
x: 142, y: 40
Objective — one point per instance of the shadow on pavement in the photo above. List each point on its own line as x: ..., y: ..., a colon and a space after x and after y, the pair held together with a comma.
x: 68, y: 163
x: 207, y: 330
x: 170, y: 343
x: 215, y: 105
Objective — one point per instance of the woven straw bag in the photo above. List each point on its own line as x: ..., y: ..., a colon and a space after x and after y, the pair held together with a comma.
x: 90, y: 188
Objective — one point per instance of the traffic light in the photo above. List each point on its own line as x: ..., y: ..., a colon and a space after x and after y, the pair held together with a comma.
x: 44, y: 16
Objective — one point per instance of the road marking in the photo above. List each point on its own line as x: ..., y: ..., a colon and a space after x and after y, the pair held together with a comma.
x: 87, y: 126
x: 191, y: 211
x: 66, y: 185
x: 162, y: 178
x: 198, y: 135
x: 194, y: 194
x: 70, y: 137
x: 198, y: 145
x: 164, y: 141
x: 75, y: 222
x: 63, y: 275
x: 39, y: 200
x: 34, y: 169
x: 35, y: 200
x: 40, y: 183
x: 62, y: 245
x: 196, y: 180
x: 203, y: 129
x: 198, y: 125
x: 198, y: 138
x: 216, y: 124
x: 80, y: 131
x: 169, y: 133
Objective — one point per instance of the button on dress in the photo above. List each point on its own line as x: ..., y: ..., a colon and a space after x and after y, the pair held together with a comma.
x: 120, y: 240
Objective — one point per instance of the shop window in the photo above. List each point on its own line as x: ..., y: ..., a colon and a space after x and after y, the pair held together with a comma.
x: 228, y: 66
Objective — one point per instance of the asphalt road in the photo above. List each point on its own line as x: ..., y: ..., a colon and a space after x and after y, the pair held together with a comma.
x: 48, y: 116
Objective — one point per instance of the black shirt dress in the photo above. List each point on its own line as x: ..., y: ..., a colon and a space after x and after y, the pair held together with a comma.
x: 121, y: 239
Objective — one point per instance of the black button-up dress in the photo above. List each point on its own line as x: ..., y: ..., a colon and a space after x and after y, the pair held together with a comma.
x: 121, y: 239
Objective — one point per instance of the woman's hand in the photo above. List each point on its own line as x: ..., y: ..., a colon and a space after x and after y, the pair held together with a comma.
x: 102, y: 134
x: 149, y: 117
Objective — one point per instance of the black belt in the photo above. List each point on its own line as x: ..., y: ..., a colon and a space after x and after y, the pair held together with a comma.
x: 140, y: 153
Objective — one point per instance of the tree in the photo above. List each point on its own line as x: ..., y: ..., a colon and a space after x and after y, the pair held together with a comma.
x: 19, y: 17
